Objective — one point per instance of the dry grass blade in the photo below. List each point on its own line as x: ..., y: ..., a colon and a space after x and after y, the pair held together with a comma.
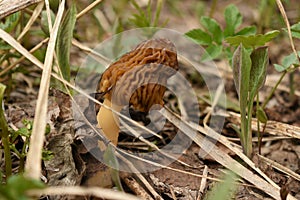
x: 87, y: 9
x: 280, y: 167
x: 98, y: 57
x: 11, y: 41
x: 232, y: 146
x: 23, y: 57
x: 140, y: 176
x: 287, y: 23
x: 48, y: 11
x: 273, y: 127
x: 137, y: 135
x: 8, y: 7
x: 225, y: 160
x: 203, y: 183
x: 80, y: 191
x: 167, y: 167
x: 101, y: 18
x: 32, y: 19
x: 33, y: 166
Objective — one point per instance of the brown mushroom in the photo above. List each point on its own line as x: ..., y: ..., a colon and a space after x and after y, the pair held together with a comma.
x: 137, y: 79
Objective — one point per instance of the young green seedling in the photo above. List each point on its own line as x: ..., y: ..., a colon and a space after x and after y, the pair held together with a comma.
x: 211, y: 36
x: 249, y: 72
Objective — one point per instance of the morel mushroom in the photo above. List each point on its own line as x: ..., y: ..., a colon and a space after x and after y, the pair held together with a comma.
x: 137, y: 79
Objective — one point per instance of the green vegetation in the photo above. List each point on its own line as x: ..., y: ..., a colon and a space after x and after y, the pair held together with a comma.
x: 212, y: 36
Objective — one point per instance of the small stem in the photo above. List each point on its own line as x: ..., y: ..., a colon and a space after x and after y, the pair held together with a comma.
x: 213, y: 8
x: 273, y: 90
x: 7, y: 155
x: 243, y: 134
x: 292, y: 88
x: 22, y: 157
x: 258, y: 125
x: 4, y: 134
x: 248, y: 149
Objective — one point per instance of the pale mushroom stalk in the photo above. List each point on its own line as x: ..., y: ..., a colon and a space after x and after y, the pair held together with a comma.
x: 108, y: 121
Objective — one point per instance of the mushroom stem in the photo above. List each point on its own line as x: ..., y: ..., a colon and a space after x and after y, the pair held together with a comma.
x: 108, y: 122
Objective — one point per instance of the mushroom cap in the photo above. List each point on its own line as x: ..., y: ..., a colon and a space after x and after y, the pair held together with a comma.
x: 139, y: 76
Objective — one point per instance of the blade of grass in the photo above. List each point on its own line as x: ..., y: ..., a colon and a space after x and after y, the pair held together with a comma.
x: 280, y: 167
x: 87, y: 9
x: 32, y: 19
x: 34, y: 156
x: 8, y: 7
x: 48, y: 11
x: 23, y: 57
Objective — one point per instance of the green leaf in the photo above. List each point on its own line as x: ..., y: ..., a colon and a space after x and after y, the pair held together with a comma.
x: 261, y: 115
x: 111, y: 160
x: 18, y: 185
x: 3, y: 122
x: 279, y: 68
x: 199, y: 37
x: 64, y: 39
x: 4, y: 45
x: 249, y: 30
x: 241, y: 65
x: 252, y: 40
x: 260, y: 61
x: 44, y: 21
x: 213, y: 27
x: 23, y: 132
x: 233, y: 19
x: 47, y: 155
x: 10, y: 22
x: 287, y: 62
x: 212, y: 52
x: 225, y: 189
x: 295, y: 29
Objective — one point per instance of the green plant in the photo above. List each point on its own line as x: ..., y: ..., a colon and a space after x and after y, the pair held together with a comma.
x: 249, y: 62
x: 63, y: 45
x: 4, y: 134
x: 17, y: 186
x: 145, y: 18
x: 25, y: 132
x: 249, y: 73
x: 211, y: 36
x: 10, y: 137
x: 225, y: 189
